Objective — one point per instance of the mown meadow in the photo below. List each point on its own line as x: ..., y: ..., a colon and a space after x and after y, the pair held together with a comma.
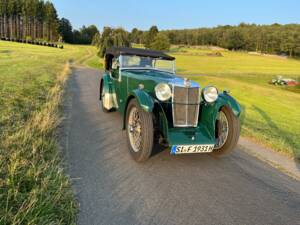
x: 33, y: 186
x: 271, y: 114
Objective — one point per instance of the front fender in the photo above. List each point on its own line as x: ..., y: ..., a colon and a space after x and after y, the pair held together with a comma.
x: 209, y: 112
x: 226, y: 99
x: 145, y: 101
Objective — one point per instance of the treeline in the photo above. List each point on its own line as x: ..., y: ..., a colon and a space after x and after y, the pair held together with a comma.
x: 28, y: 19
x: 152, y: 39
x: 37, y: 20
x: 271, y: 39
x: 82, y: 36
x: 111, y: 37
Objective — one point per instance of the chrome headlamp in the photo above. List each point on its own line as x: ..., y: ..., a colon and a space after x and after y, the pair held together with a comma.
x: 210, y: 94
x: 163, y: 91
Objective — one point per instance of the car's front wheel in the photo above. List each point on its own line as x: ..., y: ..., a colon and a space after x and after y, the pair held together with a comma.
x: 227, y: 132
x: 140, y: 131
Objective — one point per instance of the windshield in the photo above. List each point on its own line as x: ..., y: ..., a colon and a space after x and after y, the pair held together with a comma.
x: 140, y: 62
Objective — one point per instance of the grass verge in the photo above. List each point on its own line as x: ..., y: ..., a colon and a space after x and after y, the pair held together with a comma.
x: 34, y: 189
x: 94, y: 62
x: 33, y: 186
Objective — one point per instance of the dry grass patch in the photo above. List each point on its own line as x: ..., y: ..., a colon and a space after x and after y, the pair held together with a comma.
x: 33, y: 186
x: 34, y: 189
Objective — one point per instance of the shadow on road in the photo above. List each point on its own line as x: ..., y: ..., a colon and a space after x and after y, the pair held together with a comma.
x: 288, y: 140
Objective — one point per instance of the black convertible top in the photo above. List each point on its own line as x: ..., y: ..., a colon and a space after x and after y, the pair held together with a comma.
x: 117, y: 51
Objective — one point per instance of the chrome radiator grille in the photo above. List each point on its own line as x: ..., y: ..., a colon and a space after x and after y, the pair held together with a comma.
x: 185, y: 106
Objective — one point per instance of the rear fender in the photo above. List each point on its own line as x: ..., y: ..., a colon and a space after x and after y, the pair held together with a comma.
x: 109, y: 100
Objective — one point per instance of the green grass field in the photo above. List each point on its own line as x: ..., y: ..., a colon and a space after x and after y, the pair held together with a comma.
x: 271, y: 114
x: 33, y: 187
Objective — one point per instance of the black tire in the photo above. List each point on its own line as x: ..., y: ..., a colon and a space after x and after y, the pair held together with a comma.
x: 147, y: 133
x: 101, y: 92
x: 233, y: 133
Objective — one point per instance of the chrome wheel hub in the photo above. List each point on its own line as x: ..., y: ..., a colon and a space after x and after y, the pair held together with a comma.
x: 134, y: 129
x: 223, y: 130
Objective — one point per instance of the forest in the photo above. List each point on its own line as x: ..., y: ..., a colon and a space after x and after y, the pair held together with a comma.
x: 28, y: 19
x: 272, y: 39
x: 38, y: 20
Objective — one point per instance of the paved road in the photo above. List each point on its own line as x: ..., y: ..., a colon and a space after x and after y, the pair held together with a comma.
x: 190, y: 189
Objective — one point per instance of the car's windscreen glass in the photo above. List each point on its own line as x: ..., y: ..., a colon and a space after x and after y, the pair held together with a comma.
x: 147, y: 62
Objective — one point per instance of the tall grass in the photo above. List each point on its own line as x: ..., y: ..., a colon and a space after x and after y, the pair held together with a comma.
x: 33, y: 186
x: 34, y: 189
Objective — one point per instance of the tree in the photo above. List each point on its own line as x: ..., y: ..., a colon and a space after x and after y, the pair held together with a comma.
x: 234, y: 39
x: 106, y: 41
x: 38, y: 20
x: 65, y: 30
x: 85, y: 34
x: 96, y: 39
x: 113, y: 37
x: 88, y: 33
x: 120, y: 37
x: 161, y: 42
x: 136, y: 36
x: 150, y: 36
x: 51, y: 21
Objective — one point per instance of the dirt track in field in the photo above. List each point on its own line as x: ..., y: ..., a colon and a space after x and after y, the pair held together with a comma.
x: 188, y: 189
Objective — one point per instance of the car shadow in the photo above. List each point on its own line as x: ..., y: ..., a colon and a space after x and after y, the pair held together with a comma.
x: 279, y: 132
x: 157, y: 148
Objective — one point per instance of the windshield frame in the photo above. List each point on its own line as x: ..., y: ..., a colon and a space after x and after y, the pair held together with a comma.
x: 173, y: 71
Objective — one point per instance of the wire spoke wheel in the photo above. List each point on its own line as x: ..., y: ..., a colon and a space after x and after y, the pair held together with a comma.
x: 139, y: 131
x: 135, y: 129
x: 227, y: 132
x: 222, y: 130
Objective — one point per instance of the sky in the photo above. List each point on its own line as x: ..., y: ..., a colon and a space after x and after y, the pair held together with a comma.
x: 176, y: 14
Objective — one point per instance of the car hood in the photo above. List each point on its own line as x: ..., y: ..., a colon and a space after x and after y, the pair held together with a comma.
x: 161, y: 76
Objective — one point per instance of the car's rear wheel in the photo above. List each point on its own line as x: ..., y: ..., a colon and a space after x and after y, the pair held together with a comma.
x: 140, y: 131
x: 227, y: 132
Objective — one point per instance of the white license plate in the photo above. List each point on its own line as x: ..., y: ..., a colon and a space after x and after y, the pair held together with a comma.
x: 182, y: 149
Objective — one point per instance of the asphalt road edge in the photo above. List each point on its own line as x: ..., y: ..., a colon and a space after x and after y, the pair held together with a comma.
x: 279, y: 161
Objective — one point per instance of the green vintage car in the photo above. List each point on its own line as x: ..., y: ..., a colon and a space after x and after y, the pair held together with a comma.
x: 159, y: 106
